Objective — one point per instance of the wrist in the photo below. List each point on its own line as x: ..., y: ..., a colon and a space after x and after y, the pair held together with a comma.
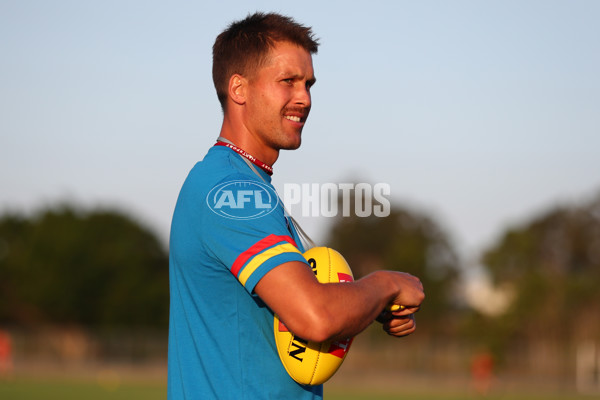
x: 385, y: 285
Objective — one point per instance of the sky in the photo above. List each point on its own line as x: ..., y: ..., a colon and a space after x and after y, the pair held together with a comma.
x: 480, y: 114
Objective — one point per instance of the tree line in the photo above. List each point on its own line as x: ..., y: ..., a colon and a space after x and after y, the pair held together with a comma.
x: 102, y: 268
x: 98, y: 268
x: 550, y: 265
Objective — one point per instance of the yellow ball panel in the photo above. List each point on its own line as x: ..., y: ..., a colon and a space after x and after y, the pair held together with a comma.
x: 307, y: 362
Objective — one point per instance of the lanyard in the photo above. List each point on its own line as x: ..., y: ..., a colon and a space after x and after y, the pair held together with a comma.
x: 267, y: 168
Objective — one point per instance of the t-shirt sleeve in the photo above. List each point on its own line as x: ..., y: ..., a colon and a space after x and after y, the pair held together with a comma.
x: 251, y: 246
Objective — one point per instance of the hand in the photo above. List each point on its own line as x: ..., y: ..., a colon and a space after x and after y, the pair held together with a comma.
x: 398, y: 326
x: 410, y: 293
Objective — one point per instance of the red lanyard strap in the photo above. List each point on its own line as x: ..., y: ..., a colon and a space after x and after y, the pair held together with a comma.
x: 267, y: 168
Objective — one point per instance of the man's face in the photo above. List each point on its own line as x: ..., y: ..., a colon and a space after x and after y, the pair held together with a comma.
x: 278, y: 97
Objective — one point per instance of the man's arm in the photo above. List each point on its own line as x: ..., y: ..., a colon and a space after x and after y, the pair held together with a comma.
x: 319, y: 312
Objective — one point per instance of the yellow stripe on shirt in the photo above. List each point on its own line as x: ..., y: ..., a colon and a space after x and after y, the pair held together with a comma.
x: 259, y: 259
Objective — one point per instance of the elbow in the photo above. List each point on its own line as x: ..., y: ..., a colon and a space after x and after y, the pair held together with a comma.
x: 316, y: 326
x: 323, y: 334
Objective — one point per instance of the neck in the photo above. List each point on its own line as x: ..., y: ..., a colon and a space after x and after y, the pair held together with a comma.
x: 248, y: 142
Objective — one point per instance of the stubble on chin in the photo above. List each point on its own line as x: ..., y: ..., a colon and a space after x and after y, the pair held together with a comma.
x: 291, y: 144
x: 285, y: 141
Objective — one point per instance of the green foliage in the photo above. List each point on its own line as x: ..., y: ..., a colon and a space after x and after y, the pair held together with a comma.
x: 408, y: 242
x: 97, y: 268
x: 553, y: 265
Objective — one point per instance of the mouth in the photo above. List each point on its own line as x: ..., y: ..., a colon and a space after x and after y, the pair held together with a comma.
x: 294, y: 118
x: 297, y: 116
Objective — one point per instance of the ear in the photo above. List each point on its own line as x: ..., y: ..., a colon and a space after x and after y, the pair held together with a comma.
x: 237, y: 89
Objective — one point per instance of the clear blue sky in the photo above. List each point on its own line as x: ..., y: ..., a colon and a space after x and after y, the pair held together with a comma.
x: 482, y: 114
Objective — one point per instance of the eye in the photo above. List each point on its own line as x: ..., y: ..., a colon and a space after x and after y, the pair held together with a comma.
x: 288, y: 81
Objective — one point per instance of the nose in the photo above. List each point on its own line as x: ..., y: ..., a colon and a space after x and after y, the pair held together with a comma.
x: 302, y: 97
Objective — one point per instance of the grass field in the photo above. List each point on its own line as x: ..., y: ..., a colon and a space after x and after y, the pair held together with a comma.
x: 64, y: 389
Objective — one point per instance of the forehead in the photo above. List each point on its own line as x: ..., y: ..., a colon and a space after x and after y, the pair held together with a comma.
x: 288, y: 57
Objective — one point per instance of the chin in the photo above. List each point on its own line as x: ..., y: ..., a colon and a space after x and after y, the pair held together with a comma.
x: 294, y: 146
x: 290, y: 144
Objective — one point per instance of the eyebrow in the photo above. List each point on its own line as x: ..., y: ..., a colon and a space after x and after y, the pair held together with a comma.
x: 310, y: 81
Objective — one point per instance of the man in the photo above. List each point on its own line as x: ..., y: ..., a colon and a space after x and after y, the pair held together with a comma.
x: 235, y: 258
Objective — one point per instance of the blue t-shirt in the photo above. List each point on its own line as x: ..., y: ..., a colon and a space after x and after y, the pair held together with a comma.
x: 228, y: 231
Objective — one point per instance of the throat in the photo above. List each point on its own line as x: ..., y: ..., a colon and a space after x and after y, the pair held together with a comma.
x: 263, y: 165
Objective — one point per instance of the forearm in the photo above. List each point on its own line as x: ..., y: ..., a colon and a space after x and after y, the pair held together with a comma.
x: 320, y: 312
x: 349, y: 308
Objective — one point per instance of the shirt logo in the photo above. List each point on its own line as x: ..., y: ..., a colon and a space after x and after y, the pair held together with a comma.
x: 242, y: 199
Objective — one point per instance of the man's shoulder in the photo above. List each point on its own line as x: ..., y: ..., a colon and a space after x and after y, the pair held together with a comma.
x: 216, y: 167
x: 221, y: 164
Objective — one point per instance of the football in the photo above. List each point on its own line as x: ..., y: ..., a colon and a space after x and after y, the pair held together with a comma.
x: 307, y: 362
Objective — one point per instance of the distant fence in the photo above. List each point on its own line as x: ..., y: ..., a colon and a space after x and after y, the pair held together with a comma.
x: 72, y: 348
x: 571, y: 366
x: 537, y: 364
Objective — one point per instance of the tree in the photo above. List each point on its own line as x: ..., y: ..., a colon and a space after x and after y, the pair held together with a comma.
x: 92, y: 268
x: 553, y: 264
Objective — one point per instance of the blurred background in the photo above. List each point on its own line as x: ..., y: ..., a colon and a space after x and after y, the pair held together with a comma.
x: 483, y: 117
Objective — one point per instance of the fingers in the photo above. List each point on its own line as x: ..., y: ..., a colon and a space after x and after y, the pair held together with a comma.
x: 394, y: 307
x: 398, y: 317
x: 410, y: 294
x: 406, y: 311
x: 400, y: 326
